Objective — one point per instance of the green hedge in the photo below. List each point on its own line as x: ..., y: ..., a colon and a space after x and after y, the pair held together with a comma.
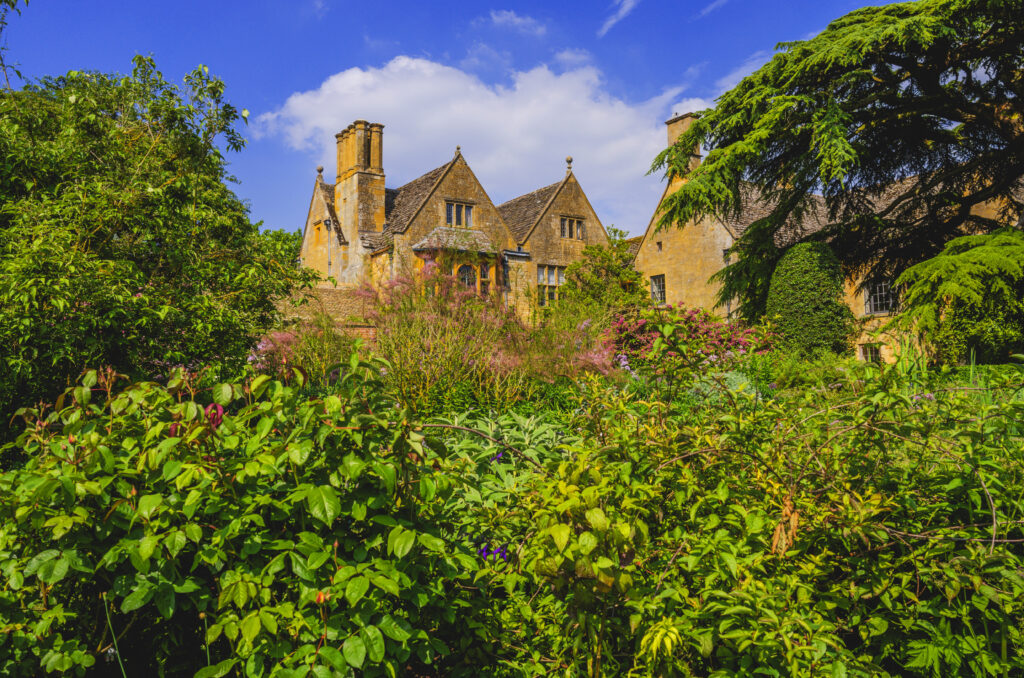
x: 805, y: 300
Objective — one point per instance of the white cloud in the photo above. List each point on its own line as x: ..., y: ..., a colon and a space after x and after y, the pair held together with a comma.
x: 514, y: 136
x: 573, y: 57
x: 691, y: 105
x: 506, y: 18
x: 623, y: 8
x: 749, y: 65
x: 320, y: 8
x: 710, y: 7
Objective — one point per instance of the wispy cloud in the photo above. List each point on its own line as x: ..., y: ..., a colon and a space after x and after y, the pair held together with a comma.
x: 527, y: 25
x: 710, y: 7
x: 320, y: 8
x: 749, y: 65
x: 572, y: 57
x: 622, y: 9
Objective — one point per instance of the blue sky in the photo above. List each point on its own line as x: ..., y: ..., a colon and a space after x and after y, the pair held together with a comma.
x: 519, y: 85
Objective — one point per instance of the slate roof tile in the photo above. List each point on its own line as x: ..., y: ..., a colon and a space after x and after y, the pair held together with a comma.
x: 460, y: 239
x: 402, y: 203
x: 520, y: 214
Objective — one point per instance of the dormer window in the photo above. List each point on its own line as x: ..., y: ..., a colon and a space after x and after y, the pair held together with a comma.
x: 572, y: 228
x: 458, y: 214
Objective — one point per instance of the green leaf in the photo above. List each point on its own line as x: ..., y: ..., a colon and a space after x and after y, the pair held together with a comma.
x: 324, y: 504
x: 730, y: 562
x: 52, y: 571
x: 392, y: 630
x: 587, y: 542
x: 40, y: 558
x: 404, y: 543
x: 147, y: 545
x: 356, y: 589
x: 250, y: 627
x: 217, y: 670
x: 597, y: 519
x: 164, y: 600
x: 222, y: 394
x: 560, y: 535
x: 385, y: 584
x: 148, y: 504
x: 430, y: 542
x: 334, y: 658
x: 355, y: 651
x: 137, y: 598
x: 374, y: 643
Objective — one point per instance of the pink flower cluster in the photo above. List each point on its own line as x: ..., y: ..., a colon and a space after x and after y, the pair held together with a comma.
x: 719, y: 341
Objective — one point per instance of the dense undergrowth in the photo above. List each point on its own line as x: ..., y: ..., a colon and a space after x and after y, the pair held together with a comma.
x: 694, y: 514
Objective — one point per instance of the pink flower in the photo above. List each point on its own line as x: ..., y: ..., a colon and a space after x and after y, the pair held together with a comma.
x: 214, y: 415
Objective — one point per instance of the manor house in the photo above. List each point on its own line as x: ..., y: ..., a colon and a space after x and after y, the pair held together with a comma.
x: 678, y: 262
x: 358, y: 230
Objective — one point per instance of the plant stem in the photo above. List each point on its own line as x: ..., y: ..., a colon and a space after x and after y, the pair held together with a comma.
x: 113, y: 635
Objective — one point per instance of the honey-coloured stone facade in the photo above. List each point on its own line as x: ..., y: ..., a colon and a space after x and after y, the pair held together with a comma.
x: 359, y: 231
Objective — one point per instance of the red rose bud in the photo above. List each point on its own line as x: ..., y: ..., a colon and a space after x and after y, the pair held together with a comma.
x: 214, y: 414
x: 174, y: 429
x: 320, y: 598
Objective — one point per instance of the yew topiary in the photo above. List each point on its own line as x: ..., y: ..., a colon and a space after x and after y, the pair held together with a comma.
x: 805, y: 300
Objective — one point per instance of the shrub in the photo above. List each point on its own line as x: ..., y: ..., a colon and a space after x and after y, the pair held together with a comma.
x: 121, y: 242
x: 446, y: 347
x: 316, y: 346
x: 256, y: 532
x: 805, y: 301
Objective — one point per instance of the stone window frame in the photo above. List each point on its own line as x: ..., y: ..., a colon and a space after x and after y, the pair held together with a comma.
x: 880, y: 297
x: 454, y: 211
x: 549, y: 278
x: 483, y: 271
x: 572, y: 228
x: 658, y: 288
x: 871, y: 353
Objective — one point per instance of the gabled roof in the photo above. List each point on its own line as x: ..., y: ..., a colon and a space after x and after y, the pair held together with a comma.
x: 326, y: 192
x: 522, y: 213
x: 401, y: 204
x: 459, y: 239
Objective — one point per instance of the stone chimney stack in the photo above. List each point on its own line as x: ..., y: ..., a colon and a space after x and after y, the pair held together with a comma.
x: 679, y: 124
x: 359, y: 187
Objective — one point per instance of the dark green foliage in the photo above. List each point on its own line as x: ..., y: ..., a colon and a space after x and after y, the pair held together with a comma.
x: 969, y: 300
x: 805, y: 301
x: 120, y: 243
x: 901, y: 117
x: 605, y: 276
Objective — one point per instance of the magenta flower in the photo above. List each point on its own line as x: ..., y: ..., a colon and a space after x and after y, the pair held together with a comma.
x: 214, y: 415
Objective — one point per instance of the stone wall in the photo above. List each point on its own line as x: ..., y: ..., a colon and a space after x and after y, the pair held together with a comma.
x: 546, y: 245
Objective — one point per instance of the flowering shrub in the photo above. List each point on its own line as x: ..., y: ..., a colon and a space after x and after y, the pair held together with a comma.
x: 647, y: 340
x: 448, y: 348
x: 316, y: 346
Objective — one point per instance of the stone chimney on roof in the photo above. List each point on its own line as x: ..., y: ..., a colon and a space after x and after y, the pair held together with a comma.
x: 679, y: 124
x: 359, y: 187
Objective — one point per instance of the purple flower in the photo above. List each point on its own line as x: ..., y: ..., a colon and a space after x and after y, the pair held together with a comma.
x: 498, y: 456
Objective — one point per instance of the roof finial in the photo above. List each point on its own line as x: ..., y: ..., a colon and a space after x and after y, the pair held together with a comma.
x: 319, y: 170
x: 568, y: 164
x: 458, y: 150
